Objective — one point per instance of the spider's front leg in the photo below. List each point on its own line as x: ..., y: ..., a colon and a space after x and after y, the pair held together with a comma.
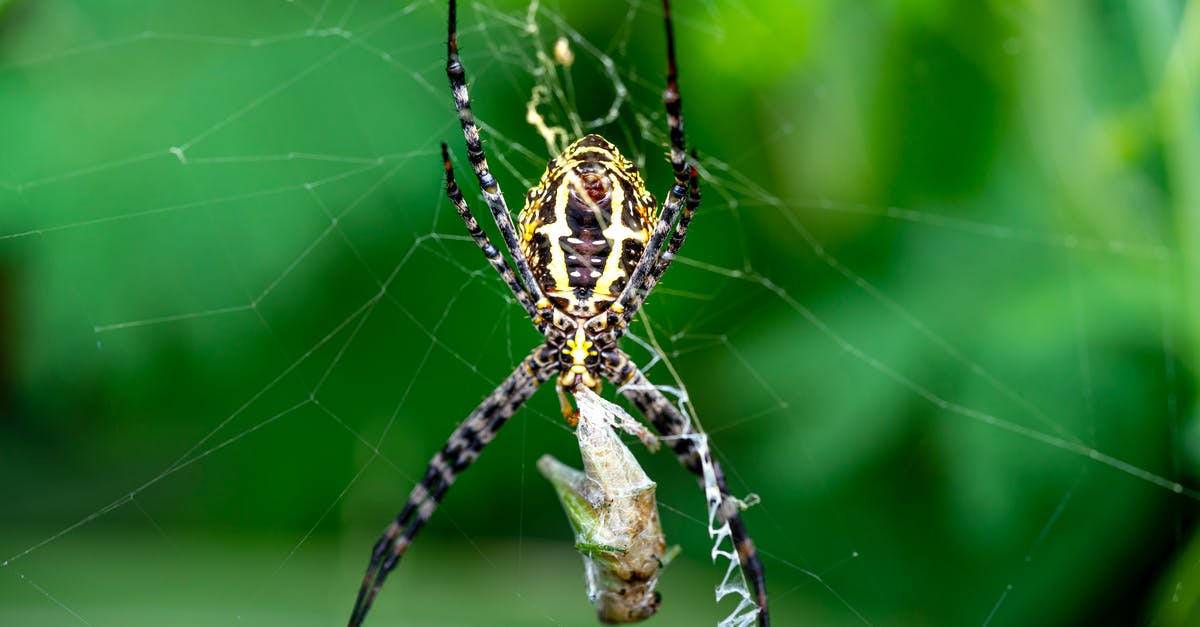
x: 475, y: 154
x: 669, y: 421
x: 463, y: 446
x: 538, y: 311
x: 681, y: 202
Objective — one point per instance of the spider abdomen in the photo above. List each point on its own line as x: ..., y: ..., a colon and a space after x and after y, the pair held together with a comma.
x: 585, y: 225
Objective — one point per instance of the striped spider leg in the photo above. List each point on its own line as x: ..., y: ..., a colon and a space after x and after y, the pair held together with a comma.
x: 669, y: 421
x: 686, y: 189
x: 498, y: 262
x: 487, y: 182
x: 462, y: 448
x: 660, y: 264
x: 589, y: 250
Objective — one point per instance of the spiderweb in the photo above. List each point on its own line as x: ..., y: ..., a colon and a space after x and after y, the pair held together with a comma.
x: 934, y: 309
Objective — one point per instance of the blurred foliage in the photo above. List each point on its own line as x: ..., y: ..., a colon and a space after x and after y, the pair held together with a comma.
x: 938, y: 311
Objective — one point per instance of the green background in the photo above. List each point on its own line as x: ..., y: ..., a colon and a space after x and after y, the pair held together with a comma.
x: 938, y: 309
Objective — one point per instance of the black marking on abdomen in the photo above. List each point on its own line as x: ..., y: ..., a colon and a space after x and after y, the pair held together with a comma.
x: 630, y: 216
x: 539, y: 260
x: 546, y: 205
x: 631, y: 254
x: 586, y: 250
x: 585, y: 254
x: 595, y: 141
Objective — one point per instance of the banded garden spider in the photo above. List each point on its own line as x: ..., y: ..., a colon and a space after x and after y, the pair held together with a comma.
x: 589, y: 250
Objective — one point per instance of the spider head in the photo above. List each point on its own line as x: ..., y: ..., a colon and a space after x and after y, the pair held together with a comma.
x: 578, y: 362
x: 580, y: 358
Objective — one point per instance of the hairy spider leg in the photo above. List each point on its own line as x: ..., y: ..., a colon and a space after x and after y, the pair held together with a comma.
x: 499, y: 263
x: 669, y: 421
x: 685, y: 219
x: 674, y: 106
x: 668, y: 255
x: 462, y: 448
x: 487, y: 183
x: 635, y: 290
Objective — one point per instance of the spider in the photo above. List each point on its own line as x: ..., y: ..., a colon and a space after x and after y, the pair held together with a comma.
x: 589, y: 250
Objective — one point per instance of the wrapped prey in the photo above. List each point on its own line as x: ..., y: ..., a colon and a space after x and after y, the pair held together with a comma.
x: 612, y: 509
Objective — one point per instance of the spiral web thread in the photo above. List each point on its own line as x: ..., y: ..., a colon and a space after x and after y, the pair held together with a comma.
x: 734, y: 582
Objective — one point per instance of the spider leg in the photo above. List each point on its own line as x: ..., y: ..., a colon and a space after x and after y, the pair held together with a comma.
x: 487, y: 183
x: 499, y: 263
x: 669, y: 421
x: 648, y: 269
x: 674, y: 108
x: 463, y: 446
x: 668, y: 255
x: 685, y: 219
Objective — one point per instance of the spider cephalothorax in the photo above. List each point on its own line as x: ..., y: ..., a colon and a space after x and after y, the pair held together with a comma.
x: 591, y: 245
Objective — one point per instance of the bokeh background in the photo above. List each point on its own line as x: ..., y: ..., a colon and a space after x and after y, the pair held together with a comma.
x: 938, y: 310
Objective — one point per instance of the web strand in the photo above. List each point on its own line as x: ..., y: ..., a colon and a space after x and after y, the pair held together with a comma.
x: 287, y: 250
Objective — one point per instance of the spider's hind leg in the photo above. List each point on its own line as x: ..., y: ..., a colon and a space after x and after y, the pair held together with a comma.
x: 462, y: 448
x: 669, y: 421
